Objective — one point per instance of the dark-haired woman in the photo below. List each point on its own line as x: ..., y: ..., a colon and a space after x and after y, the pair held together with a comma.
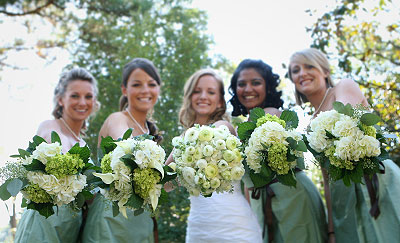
x: 74, y: 101
x: 140, y: 90
x: 286, y: 214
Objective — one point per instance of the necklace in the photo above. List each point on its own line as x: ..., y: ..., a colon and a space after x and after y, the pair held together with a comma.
x: 137, y: 123
x: 322, y: 102
x: 78, y: 138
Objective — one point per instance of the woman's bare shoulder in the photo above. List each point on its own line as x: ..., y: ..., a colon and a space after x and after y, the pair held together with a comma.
x: 348, y: 91
x: 227, y: 124
x: 272, y: 111
x: 46, y: 127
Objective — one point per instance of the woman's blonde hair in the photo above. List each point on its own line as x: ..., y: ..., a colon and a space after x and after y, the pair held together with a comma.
x: 313, y: 57
x: 187, y: 115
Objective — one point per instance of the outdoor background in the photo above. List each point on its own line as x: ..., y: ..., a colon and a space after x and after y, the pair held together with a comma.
x: 41, y: 38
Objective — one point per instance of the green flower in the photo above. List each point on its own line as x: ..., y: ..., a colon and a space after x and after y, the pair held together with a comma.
x: 272, y: 118
x: 144, y: 180
x: 106, y: 163
x: 336, y: 161
x: 37, y: 194
x: 369, y: 130
x: 277, y: 158
x: 211, y: 171
x: 64, y: 164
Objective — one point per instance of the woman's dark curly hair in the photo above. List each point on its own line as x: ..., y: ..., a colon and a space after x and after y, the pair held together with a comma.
x: 273, y: 97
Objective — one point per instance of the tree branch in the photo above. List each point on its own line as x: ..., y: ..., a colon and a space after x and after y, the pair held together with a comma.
x: 33, y: 11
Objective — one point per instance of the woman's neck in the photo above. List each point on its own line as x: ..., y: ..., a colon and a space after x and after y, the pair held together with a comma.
x: 74, y: 125
x: 202, y: 120
x: 140, y: 117
x: 317, y: 97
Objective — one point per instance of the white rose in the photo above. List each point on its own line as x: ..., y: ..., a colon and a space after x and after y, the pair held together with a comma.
x: 208, y: 150
x: 201, y: 164
x: 188, y: 174
x: 237, y: 173
x: 176, y: 141
x: 191, y: 135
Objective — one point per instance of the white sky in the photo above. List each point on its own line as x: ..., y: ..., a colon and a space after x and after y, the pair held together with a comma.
x: 264, y: 29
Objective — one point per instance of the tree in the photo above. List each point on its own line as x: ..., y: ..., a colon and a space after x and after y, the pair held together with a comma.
x: 364, y: 36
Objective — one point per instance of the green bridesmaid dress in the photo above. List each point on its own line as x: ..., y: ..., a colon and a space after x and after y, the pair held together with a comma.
x: 102, y: 227
x: 298, y: 213
x: 350, y: 205
x: 61, y: 228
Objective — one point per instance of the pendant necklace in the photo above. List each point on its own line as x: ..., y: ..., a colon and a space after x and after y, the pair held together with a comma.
x: 137, y: 123
x: 78, y: 138
x: 322, y: 102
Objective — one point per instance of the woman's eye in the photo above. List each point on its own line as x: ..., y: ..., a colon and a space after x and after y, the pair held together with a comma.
x: 256, y: 83
x: 196, y: 91
x: 211, y: 92
x: 89, y: 97
x: 309, y: 66
x: 241, y: 85
x: 296, y: 70
x: 135, y: 85
x: 75, y: 96
x: 153, y: 84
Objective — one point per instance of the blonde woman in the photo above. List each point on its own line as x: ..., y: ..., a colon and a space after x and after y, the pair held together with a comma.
x: 352, y: 217
x: 223, y: 217
x: 74, y: 100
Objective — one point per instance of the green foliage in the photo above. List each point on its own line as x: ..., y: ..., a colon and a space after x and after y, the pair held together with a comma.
x: 256, y: 113
x: 290, y: 117
x: 370, y: 119
x: 368, y: 50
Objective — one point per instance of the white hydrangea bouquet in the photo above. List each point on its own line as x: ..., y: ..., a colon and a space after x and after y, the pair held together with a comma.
x: 46, y: 177
x: 133, y: 173
x: 272, y: 147
x: 207, y: 160
x: 346, y: 142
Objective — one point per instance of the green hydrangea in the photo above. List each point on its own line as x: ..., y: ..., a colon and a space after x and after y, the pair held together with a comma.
x: 369, y: 130
x: 144, y: 180
x: 106, y: 163
x: 66, y: 164
x: 272, y: 118
x: 277, y: 158
x: 37, y: 194
x: 336, y: 161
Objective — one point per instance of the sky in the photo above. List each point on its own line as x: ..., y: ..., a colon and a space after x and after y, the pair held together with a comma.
x: 261, y: 29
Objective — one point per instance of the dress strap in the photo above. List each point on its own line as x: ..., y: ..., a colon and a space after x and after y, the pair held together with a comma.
x: 373, y: 186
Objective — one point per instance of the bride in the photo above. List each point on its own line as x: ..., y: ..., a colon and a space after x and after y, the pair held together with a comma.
x: 223, y: 217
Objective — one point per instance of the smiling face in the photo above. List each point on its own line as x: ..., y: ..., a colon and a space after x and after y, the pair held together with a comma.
x: 250, y: 88
x: 141, y: 90
x: 78, y: 100
x: 307, y: 78
x: 206, y: 98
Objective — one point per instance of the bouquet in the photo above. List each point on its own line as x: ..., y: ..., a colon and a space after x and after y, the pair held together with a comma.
x: 46, y: 177
x: 133, y: 174
x: 272, y: 147
x: 207, y: 160
x: 347, y: 143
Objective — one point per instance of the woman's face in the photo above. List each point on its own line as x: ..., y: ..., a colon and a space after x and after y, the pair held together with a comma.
x: 141, y: 90
x: 206, y: 97
x: 250, y: 88
x: 307, y: 78
x: 78, y: 100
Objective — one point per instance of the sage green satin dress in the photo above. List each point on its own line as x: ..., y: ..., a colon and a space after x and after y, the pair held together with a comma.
x: 298, y: 213
x: 102, y: 227
x: 351, y: 205
x: 61, y: 228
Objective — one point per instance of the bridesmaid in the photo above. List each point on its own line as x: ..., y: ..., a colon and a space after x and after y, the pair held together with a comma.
x: 309, y: 70
x: 286, y: 214
x: 140, y: 90
x: 223, y: 217
x: 74, y: 99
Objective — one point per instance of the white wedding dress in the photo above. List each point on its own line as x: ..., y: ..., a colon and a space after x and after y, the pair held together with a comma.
x: 223, y: 217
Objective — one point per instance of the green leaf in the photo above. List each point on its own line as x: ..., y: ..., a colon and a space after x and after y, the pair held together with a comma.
x: 135, y: 201
x: 38, y: 140
x: 24, y: 203
x: 163, y: 197
x: 169, y: 174
x: 349, y: 110
x: 245, y: 129
x: 370, y: 119
x: 23, y: 154
x: 128, y: 160
x: 36, y: 165
x: 55, y: 137
x: 343, y: 109
x: 265, y: 176
x: 290, y: 117
x: 287, y: 179
x: 115, y: 209
x: 107, y: 144
x: 256, y: 113
x: 292, y: 142
x: 80, y: 199
x: 329, y: 135
x: 346, y: 180
x: 4, y: 193
x: 14, y: 186
x: 138, y: 212
x: 83, y: 152
x: 289, y: 156
x: 300, y: 163
x: 45, y: 209
x: 301, y: 146
x: 127, y: 134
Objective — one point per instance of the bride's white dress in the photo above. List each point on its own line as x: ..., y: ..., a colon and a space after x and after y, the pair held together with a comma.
x: 223, y: 217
